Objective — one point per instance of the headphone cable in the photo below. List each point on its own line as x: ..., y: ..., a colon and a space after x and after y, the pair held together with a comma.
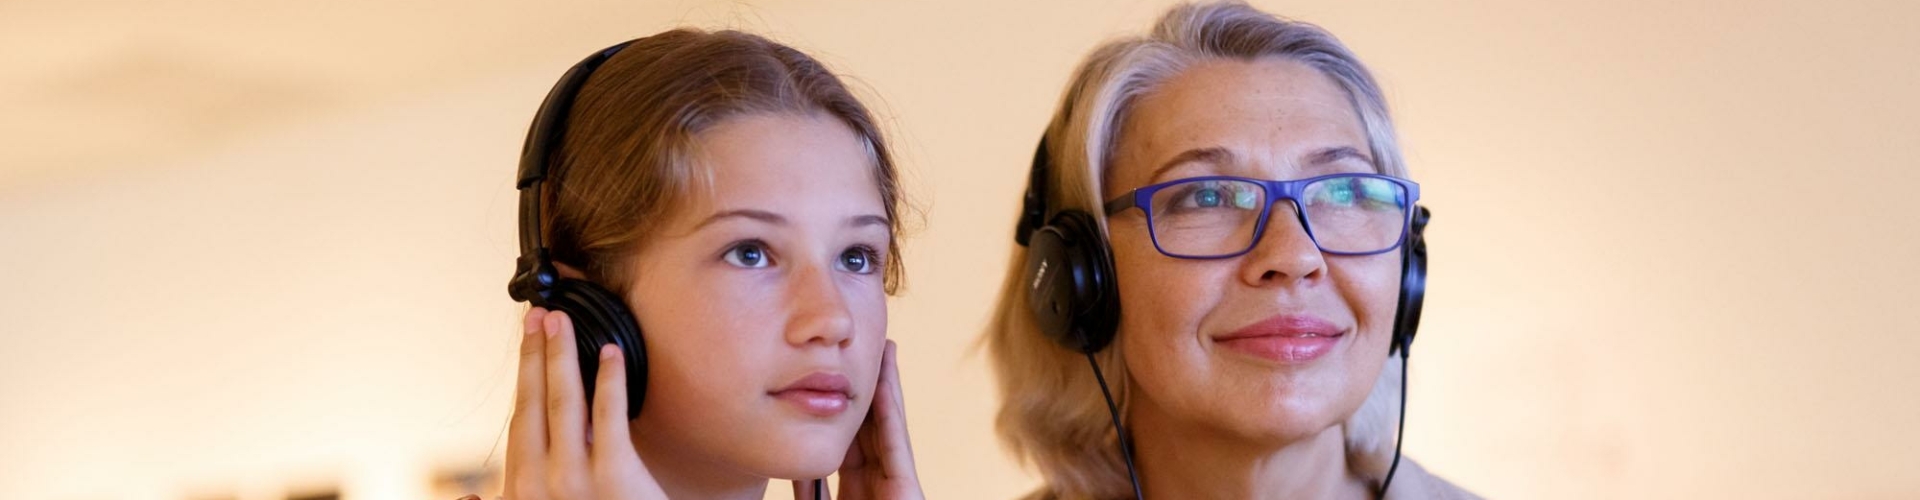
x: 1399, y: 436
x: 1126, y: 448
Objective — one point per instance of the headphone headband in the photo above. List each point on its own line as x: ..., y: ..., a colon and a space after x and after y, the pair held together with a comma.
x: 1033, y: 205
x: 550, y: 122
x: 534, y: 274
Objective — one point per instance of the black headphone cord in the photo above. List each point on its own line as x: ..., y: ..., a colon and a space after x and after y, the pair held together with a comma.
x: 1399, y: 436
x: 1126, y: 447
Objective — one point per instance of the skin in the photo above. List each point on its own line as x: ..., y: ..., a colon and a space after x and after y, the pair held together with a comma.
x: 1216, y: 422
x: 773, y: 274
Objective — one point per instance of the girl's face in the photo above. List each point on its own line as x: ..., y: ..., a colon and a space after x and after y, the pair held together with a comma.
x: 762, y: 301
x: 1283, y: 342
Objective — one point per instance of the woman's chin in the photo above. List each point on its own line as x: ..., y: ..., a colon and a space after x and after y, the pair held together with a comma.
x: 1284, y: 419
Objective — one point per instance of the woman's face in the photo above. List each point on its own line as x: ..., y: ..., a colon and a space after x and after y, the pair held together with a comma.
x: 1280, y: 343
x: 762, y: 301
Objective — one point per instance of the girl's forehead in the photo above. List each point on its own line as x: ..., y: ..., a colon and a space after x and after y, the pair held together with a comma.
x: 794, y: 165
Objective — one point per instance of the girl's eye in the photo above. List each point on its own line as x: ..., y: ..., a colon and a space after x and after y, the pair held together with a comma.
x: 749, y: 255
x: 859, y: 260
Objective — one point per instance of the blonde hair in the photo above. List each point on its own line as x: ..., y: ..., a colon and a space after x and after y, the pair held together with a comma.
x: 626, y: 161
x: 1052, y: 414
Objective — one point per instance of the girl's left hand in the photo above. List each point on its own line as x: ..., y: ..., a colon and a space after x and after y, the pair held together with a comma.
x: 879, y: 463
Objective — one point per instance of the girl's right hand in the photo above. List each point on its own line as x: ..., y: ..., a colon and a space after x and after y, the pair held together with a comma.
x: 550, y: 453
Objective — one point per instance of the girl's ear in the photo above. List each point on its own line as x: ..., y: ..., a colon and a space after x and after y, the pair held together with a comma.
x: 569, y: 272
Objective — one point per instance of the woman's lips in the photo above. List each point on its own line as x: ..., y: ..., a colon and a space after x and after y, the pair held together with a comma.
x: 819, y: 394
x: 1285, y: 338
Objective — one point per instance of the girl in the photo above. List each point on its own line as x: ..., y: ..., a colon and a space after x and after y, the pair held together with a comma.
x: 733, y: 196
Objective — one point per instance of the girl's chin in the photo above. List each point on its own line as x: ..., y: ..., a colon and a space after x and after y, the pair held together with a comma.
x: 804, y: 470
x: 809, y: 457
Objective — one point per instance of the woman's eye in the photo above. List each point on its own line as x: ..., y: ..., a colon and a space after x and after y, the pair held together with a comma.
x: 1340, y: 193
x: 748, y: 255
x: 858, y: 260
x: 1207, y: 197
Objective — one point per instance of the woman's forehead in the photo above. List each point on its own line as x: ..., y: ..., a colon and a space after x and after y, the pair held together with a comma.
x: 1268, y: 110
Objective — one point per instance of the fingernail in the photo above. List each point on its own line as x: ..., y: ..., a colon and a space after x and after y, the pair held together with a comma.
x: 551, y: 324
x: 608, y: 352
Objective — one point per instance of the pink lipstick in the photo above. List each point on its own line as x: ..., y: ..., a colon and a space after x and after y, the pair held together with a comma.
x: 1285, y: 338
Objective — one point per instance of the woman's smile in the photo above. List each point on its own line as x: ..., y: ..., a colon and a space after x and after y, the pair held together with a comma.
x: 1288, y: 339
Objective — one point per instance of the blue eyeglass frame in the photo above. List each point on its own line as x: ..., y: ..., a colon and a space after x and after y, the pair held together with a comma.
x: 1142, y: 198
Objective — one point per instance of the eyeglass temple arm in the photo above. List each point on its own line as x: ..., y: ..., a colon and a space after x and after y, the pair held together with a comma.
x: 1122, y: 203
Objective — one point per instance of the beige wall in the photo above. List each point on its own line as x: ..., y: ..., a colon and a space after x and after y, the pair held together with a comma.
x: 254, y: 247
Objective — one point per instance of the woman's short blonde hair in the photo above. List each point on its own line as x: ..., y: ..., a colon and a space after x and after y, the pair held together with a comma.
x: 1052, y: 414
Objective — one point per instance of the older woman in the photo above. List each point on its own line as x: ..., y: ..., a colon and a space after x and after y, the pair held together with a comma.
x: 1218, y: 219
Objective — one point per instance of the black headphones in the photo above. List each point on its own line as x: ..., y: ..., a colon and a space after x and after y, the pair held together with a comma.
x: 599, y: 316
x: 1069, y: 272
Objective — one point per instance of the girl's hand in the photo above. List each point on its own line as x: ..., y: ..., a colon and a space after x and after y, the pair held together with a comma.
x: 550, y: 453
x: 879, y: 463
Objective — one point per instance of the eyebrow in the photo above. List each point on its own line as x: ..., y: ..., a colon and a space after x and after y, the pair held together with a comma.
x: 1221, y: 156
x: 778, y: 220
x: 759, y: 215
x: 1215, y: 155
x: 1329, y: 155
x: 868, y: 220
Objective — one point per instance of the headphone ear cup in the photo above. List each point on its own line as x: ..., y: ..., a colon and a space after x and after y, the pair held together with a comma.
x: 601, y: 318
x: 1413, y: 283
x: 1069, y: 283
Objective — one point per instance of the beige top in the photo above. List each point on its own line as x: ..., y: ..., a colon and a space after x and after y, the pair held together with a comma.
x: 1410, y: 482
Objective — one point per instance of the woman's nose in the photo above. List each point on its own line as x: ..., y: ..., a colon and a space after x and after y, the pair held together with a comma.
x: 1285, y: 252
x: 819, y: 312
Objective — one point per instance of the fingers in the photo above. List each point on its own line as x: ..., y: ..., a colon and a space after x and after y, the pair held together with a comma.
x: 547, y: 447
x: 566, y: 409
x: 892, y: 445
x: 616, y: 464
x: 612, y: 452
x: 610, y: 400
x: 527, y: 430
x: 879, y: 464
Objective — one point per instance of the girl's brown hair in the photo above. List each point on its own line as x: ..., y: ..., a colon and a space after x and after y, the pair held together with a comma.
x: 626, y: 162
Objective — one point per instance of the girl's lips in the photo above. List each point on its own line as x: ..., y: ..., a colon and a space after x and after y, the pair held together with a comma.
x: 820, y: 394
x: 1285, y: 338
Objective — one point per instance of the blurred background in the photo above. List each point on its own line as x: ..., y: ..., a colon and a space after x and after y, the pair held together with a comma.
x: 256, y: 250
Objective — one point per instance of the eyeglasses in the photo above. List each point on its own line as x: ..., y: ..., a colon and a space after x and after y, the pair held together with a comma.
x: 1217, y: 217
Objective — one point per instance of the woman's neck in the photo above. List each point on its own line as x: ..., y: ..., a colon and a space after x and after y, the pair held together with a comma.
x: 683, y: 474
x: 1181, y: 460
